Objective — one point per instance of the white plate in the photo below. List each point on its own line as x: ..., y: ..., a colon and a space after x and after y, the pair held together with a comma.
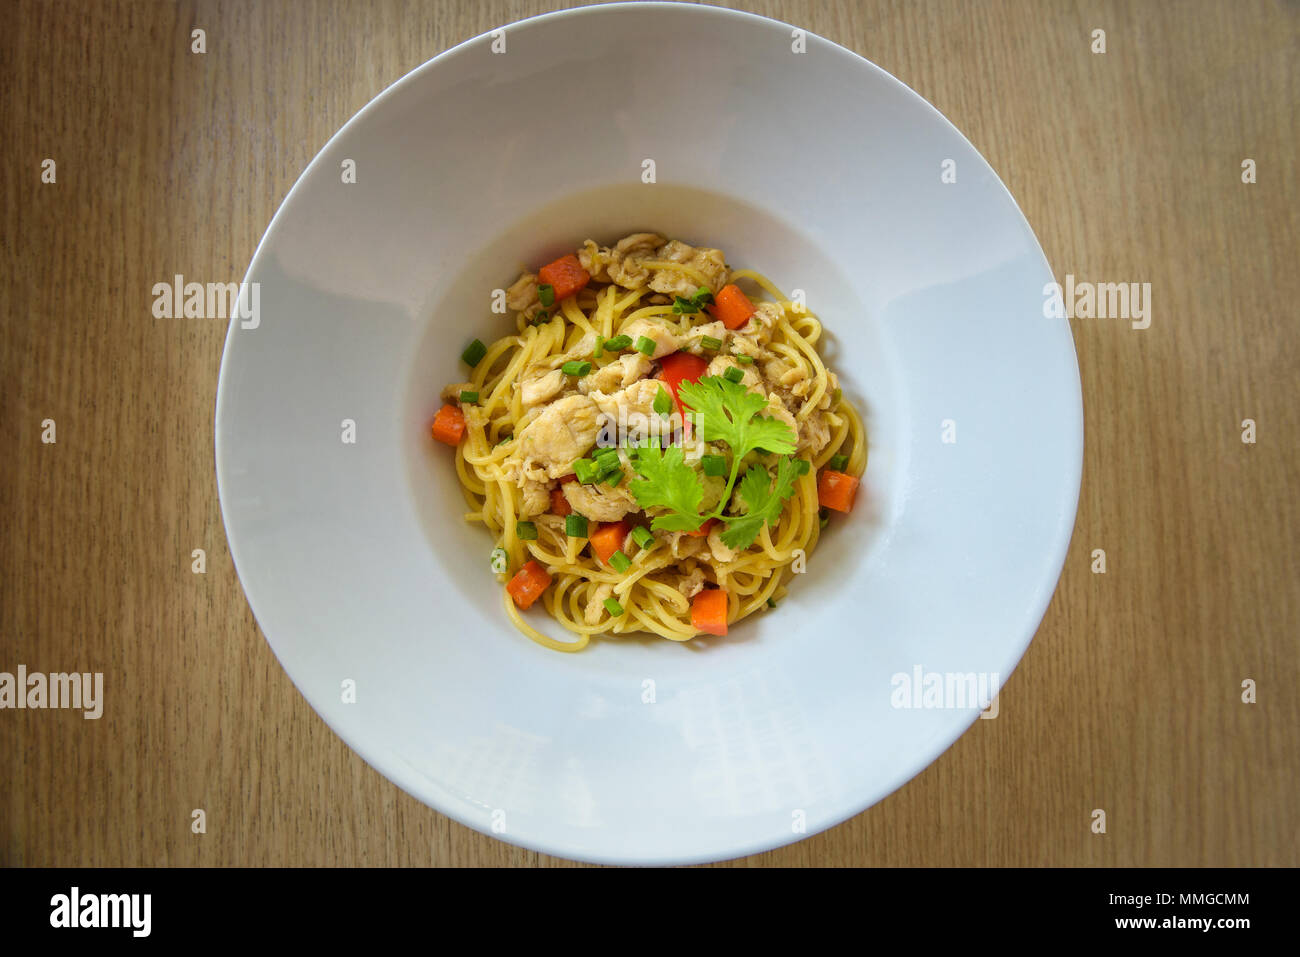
x: 814, y: 167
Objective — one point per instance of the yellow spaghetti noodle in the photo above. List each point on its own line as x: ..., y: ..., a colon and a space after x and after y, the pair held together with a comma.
x: 648, y: 591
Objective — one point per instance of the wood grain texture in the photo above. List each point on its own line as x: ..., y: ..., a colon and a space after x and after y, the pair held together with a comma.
x: 1127, y: 165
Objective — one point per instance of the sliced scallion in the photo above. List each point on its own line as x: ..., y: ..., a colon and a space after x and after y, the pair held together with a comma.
x: 643, y: 536
x: 645, y: 345
x: 575, y: 526
x: 526, y: 531
x: 714, y: 465
x: 473, y: 353
x: 838, y: 463
x: 620, y: 562
x: 734, y: 374
x: 613, y: 607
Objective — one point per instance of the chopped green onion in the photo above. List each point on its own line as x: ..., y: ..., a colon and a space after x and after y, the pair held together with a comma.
x: 467, y: 396
x: 734, y: 374
x: 702, y: 297
x: 663, y: 402
x: 771, y: 603
x: 824, y: 517
x: 683, y: 306
x: 525, y: 531
x: 620, y: 562
x: 586, y: 470
x: 802, y: 466
x: 643, y: 536
x: 645, y: 345
x: 473, y: 353
x: 714, y: 465
x: 613, y: 607
x: 575, y: 526
x: 499, y: 560
x: 546, y: 293
x: 575, y: 367
x: 708, y: 342
x: 504, y: 439
x: 743, y: 359
x: 600, y: 347
x: 614, y: 478
x: 838, y: 463
x: 618, y: 343
x: 539, y: 317
x: 606, y: 460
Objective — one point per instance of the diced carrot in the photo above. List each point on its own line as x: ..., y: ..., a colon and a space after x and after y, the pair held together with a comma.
x: 836, y: 490
x: 709, y: 611
x: 528, y: 584
x: 731, y: 306
x: 608, y: 539
x: 703, y: 529
x: 566, y: 276
x: 559, y: 504
x: 680, y: 367
x: 449, y: 425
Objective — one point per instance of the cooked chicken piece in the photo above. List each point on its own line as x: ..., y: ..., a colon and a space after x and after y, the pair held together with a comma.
x: 453, y: 391
x: 596, y: 604
x: 709, y: 263
x: 778, y: 410
x: 694, y: 339
x: 762, y: 322
x: 563, y: 432
x: 625, y: 262
x: 692, y: 583
x: 747, y: 347
x: 600, y: 503
x: 721, y: 552
x: 536, y: 497
x: 616, y: 375
x: 638, y: 398
x: 775, y: 368
x: 542, y: 381
x: 683, y: 545
x: 523, y: 293
x: 595, y: 260
x: 665, y: 339
x: 751, y: 381
x: 814, y: 433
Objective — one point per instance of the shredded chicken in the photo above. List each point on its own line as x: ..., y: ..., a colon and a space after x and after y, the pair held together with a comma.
x: 751, y: 381
x: 762, y: 322
x: 692, y: 583
x: 709, y: 263
x: 665, y: 338
x: 636, y: 399
x: 617, y: 375
x: 542, y: 381
x: 814, y: 433
x: 714, y: 330
x: 600, y: 503
x: 536, y: 497
x: 625, y: 262
x: 563, y: 432
x: 523, y: 293
x: 596, y: 604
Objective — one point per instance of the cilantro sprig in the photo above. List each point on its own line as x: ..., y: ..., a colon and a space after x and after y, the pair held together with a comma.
x: 666, y: 481
x: 724, y: 411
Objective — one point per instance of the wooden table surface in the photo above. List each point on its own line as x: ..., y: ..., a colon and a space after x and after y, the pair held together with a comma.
x: 1128, y: 165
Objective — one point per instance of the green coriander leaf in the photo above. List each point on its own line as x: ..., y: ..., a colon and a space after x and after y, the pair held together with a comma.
x: 764, y: 499
x: 726, y: 411
x: 666, y: 481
